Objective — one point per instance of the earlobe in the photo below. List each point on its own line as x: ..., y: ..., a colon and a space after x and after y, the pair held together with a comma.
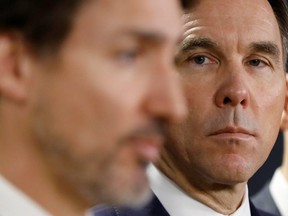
x: 12, y: 76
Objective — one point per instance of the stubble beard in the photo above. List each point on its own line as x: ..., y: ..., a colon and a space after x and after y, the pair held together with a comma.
x: 89, y: 181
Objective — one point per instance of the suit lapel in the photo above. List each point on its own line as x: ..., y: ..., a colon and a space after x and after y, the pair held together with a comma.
x: 155, y: 208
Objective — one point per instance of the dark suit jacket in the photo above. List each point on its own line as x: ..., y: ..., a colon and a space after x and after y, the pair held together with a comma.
x: 263, y: 200
x: 155, y: 208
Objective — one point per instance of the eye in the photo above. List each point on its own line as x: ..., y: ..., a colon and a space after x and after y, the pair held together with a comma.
x: 257, y: 63
x: 200, y: 60
x: 128, y: 56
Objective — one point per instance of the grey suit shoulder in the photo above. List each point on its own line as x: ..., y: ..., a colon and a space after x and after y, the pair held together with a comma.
x: 263, y: 200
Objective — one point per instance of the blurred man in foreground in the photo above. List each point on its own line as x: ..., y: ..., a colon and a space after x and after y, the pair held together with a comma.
x: 88, y: 89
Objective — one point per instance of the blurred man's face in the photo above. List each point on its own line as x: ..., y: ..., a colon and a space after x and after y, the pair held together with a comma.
x: 100, y: 105
x: 232, y: 69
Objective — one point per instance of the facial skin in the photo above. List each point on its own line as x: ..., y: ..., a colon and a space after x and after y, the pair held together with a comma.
x: 231, y: 66
x: 95, y: 113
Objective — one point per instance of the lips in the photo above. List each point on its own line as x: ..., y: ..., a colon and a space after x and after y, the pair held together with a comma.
x: 147, y: 140
x: 148, y: 148
x: 233, y: 133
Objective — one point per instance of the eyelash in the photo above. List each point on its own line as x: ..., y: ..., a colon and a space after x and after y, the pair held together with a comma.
x: 192, y: 59
x: 128, y: 55
x: 259, y: 62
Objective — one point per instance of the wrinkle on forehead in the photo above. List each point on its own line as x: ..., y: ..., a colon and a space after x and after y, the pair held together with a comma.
x: 232, y: 8
x: 232, y: 20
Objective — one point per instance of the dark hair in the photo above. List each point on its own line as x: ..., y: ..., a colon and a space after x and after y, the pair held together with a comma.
x: 43, y: 24
x: 281, y: 13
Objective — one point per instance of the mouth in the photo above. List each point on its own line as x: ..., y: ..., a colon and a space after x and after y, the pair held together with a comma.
x: 233, y: 133
x: 147, y: 141
x: 148, y: 147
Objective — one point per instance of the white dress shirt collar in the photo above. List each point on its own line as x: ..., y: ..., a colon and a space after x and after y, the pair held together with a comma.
x: 279, y: 191
x: 14, y: 202
x: 177, y: 202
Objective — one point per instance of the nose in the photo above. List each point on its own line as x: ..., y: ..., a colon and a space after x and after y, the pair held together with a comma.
x: 233, y: 91
x: 165, y: 98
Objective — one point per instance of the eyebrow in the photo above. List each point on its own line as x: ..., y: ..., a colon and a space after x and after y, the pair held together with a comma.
x: 197, y: 42
x: 149, y: 36
x: 266, y: 47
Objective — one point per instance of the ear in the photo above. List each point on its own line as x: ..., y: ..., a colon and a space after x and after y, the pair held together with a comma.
x: 13, y: 74
x: 284, y: 118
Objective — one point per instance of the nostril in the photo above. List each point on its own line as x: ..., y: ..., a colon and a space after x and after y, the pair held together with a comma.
x: 243, y: 102
x: 227, y: 100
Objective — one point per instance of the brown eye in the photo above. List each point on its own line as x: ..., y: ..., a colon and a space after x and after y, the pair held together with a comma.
x: 255, y: 62
x: 199, y: 59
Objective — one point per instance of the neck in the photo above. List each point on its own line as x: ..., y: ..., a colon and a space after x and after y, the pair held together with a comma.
x: 222, y: 198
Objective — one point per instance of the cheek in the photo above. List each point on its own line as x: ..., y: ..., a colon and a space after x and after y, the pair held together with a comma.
x: 86, y: 120
x: 199, y: 95
x: 185, y: 136
x: 271, y: 106
x: 199, y: 114
x: 272, y: 109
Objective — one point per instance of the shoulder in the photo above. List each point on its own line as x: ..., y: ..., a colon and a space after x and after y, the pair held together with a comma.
x: 262, y: 197
x: 257, y: 212
x: 264, y: 201
x: 153, y: 208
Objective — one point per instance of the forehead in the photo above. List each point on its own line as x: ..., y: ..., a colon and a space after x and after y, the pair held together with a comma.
x: 107, y: 17
x: 234, y: 21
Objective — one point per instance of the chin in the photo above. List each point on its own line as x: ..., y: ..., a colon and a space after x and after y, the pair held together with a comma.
x: 131, y: 189
x: 232, y: 176
x: 128, y: 195
x: 233, y: 180
x: 233, y: 172
x: 132, y: 200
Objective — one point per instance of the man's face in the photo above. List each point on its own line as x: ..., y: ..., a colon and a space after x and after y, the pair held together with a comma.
x: 232, y: 70
x: 100, y: 105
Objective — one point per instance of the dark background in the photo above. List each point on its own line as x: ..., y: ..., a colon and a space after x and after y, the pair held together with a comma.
x: 265, y: 173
